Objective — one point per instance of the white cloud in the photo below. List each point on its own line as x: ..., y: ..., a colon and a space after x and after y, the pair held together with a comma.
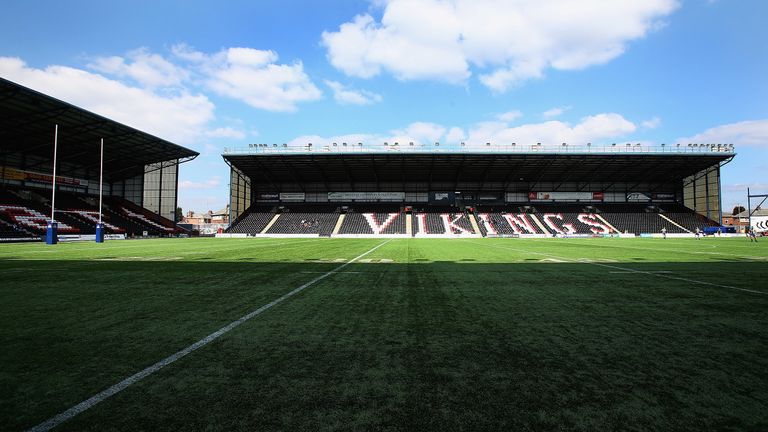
x: 411, y: 42
x: 594, y: 128
x: 252, y: 76
x: 455, y: 136
x: 145, y: 68
x: 742, y: 187
x: 746, y: 133
x: 590, y: 129
x: 508, y: 42
x: 318, y: 141
x: 510, y: 116
x: 555, y: 112
x: 225, y: 132
x: 180, y: 117
x: 652, y: 123
x: 211, y: 183
x: 346, y: 96
x: 421, y: 132
x: 166, y: 98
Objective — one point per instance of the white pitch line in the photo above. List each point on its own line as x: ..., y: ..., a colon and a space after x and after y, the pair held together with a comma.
x: 344, y: 272
x: 122, y: 385
x: 649, y: 271
x: 143, y: 244
x: 661, y: 275
x: 618, y: 246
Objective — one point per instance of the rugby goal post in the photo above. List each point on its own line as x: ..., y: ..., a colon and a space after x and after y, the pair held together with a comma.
x: 757, y: 222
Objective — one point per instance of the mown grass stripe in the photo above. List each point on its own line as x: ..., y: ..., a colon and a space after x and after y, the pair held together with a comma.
x: 127, y: 382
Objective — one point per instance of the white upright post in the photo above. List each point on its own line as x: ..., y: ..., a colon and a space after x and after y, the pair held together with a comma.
x: 55, y: 150
x: 100, y: 226
x: 101, y: 178
x: 51, y: 232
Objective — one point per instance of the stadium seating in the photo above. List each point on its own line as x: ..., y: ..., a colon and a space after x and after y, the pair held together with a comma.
x: 25, y: 212
x: 561, y: 219
x: 502, y: 223
x: 252, y: 222
x: 384, y: 219
x: 306, y: 220
x: 686, y: 218
x: 13, y: 232
x: 638, y: 219
x: 441, y: 221
x: 151, y: 222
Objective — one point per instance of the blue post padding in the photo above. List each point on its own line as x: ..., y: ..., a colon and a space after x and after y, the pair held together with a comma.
x: 51, y: 233
x: 99, y: 233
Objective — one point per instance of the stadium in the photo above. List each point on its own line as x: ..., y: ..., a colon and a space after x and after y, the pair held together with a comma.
x: 349, y: 189
x: 140, y: 172
x: 372, y: 287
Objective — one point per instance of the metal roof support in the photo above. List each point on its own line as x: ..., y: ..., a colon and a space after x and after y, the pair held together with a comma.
x: 321, y: 168
x: 293, y: 173
x: 347, y: 172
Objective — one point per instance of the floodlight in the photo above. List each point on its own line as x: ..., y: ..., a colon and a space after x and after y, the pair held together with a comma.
x: 488, y: 144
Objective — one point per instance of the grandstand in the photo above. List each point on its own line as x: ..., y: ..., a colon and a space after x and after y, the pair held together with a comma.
x: 140, y: 171
x: 492, y: 190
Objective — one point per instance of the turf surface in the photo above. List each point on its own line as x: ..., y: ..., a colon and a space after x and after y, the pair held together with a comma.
x: 480, y: 334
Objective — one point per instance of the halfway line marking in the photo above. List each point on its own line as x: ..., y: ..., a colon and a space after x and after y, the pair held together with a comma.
x: 122, y: 385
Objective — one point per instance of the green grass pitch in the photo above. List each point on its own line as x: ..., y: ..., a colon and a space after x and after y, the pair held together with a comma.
x: 421, y: 334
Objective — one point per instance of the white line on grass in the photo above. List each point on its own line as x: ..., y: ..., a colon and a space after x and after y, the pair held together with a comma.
x: 621, y: 246
x: 144, y: 244
x: 122, y: 385
x: 661, y: 275
x: 345, y: 272
x: 649, y: 271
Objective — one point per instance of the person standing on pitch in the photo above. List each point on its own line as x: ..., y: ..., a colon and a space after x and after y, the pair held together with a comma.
x: 698, y: 233
x: 664, y: 233
x: 751, y: 234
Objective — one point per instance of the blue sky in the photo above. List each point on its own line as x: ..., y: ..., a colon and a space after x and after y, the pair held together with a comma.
x: 210, y: 75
